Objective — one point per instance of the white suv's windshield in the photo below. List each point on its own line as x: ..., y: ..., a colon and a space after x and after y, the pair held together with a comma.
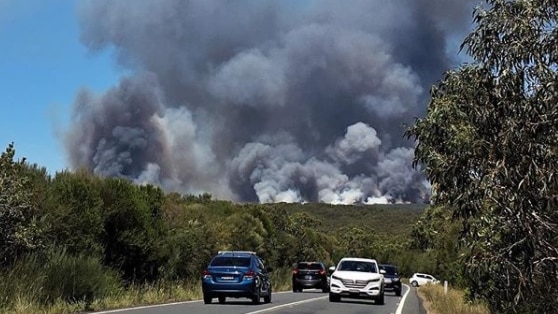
x: 366, y: 267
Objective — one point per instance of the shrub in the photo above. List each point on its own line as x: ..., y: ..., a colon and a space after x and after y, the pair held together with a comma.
x: 76, y: 278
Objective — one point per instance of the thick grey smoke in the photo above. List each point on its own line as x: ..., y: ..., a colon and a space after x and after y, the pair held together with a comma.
x: 265, y: 101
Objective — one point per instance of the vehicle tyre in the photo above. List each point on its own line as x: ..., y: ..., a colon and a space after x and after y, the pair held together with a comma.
x: 267, y: 298
x: 325, y: 288
x: 414, y: 283
x: 256, y: 297
x: 222, y: 300
x: 380, y: 300
x: 334, y: 297
x: 398, y: 293
x: 295, y: 288
x: 206, y: 299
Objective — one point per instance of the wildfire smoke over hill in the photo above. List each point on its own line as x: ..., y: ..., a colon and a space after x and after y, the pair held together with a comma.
x: 265, y: 101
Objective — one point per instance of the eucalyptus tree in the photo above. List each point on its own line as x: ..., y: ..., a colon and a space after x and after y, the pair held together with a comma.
x: 489, y: 146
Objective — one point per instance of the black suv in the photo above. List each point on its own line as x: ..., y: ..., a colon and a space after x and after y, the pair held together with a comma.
x: 392, y: 279
x: 237, y: 274
x: 308, y: 275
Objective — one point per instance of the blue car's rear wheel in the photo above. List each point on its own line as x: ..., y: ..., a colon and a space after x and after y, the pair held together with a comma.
x: 267, y: 298
x: 206, y: 299
x: 257, y: 296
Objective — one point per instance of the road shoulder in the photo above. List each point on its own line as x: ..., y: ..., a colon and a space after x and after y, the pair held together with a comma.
x: 413, y: 303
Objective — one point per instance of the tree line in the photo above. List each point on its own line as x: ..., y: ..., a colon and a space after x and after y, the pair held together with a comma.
x: 76, y: 236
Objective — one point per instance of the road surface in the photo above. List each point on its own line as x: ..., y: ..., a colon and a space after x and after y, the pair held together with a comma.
x: 309, y: 301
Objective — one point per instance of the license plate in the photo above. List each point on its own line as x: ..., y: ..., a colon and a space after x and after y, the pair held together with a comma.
x: 227, y: 277
x: 308, y: 277
x: 388, y: 280
x: 354, y: 291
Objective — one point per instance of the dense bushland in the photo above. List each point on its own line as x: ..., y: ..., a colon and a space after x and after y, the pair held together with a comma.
x: 79, y: 239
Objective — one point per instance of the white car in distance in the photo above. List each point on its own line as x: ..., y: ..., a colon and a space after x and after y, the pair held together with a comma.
x: 356, y: 278
x: 419, y: 279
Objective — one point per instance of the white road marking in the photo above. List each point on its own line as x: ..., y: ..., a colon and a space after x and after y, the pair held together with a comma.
x: 163, y: 305
x: 402, y: 302
x: 269, y: 309
x: 147, y: 307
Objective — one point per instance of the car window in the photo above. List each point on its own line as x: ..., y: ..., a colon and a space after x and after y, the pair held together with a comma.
x: 390, y: 270
x: 311, y: 266
x: 358, y: 266
x: 231, y: 261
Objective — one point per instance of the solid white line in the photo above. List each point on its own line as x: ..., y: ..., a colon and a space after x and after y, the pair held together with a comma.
x: 286, y: 305
x: 402, y: 302
x: 163, y: 305
x: 148, y: 306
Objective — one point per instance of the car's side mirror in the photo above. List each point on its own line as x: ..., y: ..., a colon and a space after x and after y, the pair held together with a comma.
x: 331, y: 269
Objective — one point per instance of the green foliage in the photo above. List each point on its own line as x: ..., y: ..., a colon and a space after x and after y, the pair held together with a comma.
x: 189, y: 245
x: 19, y: 231
x: 76, y: 278
x: 131, y: 229
x: 98, y: 235
x: 489, y: 146
x: 75, y: 215
x: 436, y: 237
x: 23, y: 280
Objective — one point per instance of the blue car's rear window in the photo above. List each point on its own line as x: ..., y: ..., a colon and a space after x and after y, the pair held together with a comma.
x: 231, y: 261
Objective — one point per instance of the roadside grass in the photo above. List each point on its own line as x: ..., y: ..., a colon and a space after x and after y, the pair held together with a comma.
x: 132, y: 296
x: 281, y: 279
x: 437, y: 302
x: 25, y: 301
x: 163, y: 292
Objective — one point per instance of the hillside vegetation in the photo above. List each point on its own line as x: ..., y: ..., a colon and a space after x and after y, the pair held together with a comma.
x: 75, y: 241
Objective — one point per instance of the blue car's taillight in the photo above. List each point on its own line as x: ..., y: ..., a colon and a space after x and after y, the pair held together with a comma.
x: 206, y: 274
x: 250, y: 275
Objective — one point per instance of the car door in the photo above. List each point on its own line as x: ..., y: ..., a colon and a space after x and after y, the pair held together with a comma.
x: 422, y: 280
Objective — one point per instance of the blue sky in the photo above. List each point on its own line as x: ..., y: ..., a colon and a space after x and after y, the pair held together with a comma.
x: 42, y: 66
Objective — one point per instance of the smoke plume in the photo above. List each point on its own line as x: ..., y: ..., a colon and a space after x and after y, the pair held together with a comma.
x: 267, y: 101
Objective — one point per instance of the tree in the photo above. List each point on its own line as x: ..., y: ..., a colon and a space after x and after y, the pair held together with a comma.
x: 489, y: 145
x: 131, y: 229
x: 75, y: 215
x: 18, y: 231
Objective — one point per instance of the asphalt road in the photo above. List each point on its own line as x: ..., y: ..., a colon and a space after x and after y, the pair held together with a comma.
x: 309, y: 301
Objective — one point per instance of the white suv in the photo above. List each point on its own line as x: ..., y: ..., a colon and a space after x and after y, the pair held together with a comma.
x: 356, y: 278
x: 419, y: 279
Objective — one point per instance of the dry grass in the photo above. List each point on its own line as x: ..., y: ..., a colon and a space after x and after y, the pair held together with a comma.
x: 437, y: 302
x: 146, y: 295
x: 164, y: 292
x: 149, y: 295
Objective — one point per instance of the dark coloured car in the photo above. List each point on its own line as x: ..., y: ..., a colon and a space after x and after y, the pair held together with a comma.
x: 236, y: 274
x: 392, y: 279
x: 310, y: 275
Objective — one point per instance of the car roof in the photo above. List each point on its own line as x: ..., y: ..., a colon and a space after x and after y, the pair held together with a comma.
x: 358, y: 259
x: 236, y: 253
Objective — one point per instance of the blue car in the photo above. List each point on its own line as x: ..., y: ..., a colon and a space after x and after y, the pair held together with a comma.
x: 236, y: 274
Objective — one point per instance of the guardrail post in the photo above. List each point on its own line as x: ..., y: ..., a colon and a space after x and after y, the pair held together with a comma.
x: 445, y: 287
